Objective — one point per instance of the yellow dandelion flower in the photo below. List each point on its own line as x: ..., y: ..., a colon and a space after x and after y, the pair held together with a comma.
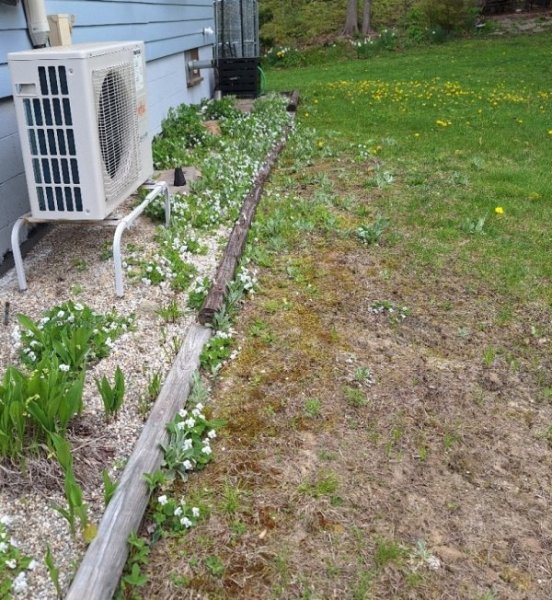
x: 499, y: 210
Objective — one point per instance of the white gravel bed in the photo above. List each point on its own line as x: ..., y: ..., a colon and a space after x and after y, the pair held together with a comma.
x: 65, y: 265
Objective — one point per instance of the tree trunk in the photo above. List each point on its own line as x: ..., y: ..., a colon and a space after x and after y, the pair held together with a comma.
x: 351, y: 20
x: 366, y: 17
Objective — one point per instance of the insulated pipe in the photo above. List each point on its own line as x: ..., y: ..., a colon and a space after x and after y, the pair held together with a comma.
x: 201, y: 64
x: 37, y: 22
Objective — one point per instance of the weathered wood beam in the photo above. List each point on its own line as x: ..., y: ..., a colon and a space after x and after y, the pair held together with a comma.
x: 236, y: 242
x: 103, y: 563
x: 293, y: 101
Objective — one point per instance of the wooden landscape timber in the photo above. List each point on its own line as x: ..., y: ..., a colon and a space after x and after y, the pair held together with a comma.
x: 293, y: 101
x: 100, y: 570
x: 236, y: 242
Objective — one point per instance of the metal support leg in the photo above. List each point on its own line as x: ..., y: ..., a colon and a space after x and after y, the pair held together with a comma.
x: 16, y: 251
x: 127, y: 222
x: 167, y: 207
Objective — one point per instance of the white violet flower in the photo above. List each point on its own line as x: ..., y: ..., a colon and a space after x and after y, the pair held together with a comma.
x: 19, y: 584
x: 186, y: 522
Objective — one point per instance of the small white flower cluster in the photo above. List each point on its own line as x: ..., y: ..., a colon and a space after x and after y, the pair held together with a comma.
x: 386, y: 307
x: 185, y: 424
x: 363, y: 43
x: 279, y: 52
x: 16, y: 337
x: 200, y: 285
x: 8, y: 548
x: 186, y: 517
x: 156, y: 271
x: 225, y: 335
x: 248, y: 278
x: 363, y: 153
x: 227, y: 174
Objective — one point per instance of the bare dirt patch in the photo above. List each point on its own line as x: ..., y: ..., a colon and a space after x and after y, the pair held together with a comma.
x: 368, y: 455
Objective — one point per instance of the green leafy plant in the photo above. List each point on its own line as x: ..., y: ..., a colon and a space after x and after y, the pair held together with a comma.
x: 325, y: 485
x: 474, y: 227
x: 371, y: 234
x: 72, y: 332
x: 450, y: 15
x: 32, y: 406
x: 152, y: 391
x: 312, y: 407
x: 189, y: 445
x: 76, y: 508
x: 53, y: 571
x: 388, y: 551
x: 216, y: 351
x: 156, y: 479
x: 154, y: 385
x: 110, y: 486
x: 138, y: 557
x: 215, y: 566
x: 223, y: 108
x: 171, y: 312
x: 197, y: 295
x: 171, y: 515
x: 354, y: 396
x: 199, y: 393
x: 363, y: 375
x: 112, y: 395
x: 106, y: 252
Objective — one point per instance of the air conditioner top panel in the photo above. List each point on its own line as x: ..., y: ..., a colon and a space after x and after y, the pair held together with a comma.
x: 76, y: 51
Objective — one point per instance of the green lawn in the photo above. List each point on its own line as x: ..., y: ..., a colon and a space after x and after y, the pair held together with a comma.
x: 450, y: 133
x: 388, y: 417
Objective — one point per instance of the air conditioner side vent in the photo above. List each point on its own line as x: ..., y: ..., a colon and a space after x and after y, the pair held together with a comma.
x: 49, y: 125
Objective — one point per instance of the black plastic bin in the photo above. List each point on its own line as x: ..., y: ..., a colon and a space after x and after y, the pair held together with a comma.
x: 239, y: 77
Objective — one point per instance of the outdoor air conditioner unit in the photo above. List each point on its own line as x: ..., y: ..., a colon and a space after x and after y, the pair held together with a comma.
x: 83, y: 125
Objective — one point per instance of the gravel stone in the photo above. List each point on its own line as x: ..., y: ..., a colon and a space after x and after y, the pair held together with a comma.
x: 66, y: 264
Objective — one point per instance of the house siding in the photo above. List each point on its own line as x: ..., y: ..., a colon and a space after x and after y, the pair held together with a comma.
x: 168, y: 28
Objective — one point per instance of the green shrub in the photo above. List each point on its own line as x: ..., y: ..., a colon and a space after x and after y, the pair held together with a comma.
x: 181, y: 130
x: 388, y: 13
x: 219, y: 109
x: 416, y: 25
x: 451, y: 15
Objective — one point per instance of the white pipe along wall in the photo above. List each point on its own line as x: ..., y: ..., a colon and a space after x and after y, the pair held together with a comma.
x: 37, y: 22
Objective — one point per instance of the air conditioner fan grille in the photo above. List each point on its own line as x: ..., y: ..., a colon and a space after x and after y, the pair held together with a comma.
x: 114, y: 90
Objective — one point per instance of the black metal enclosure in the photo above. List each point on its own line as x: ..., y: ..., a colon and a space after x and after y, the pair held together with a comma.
x: 237, y: 47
